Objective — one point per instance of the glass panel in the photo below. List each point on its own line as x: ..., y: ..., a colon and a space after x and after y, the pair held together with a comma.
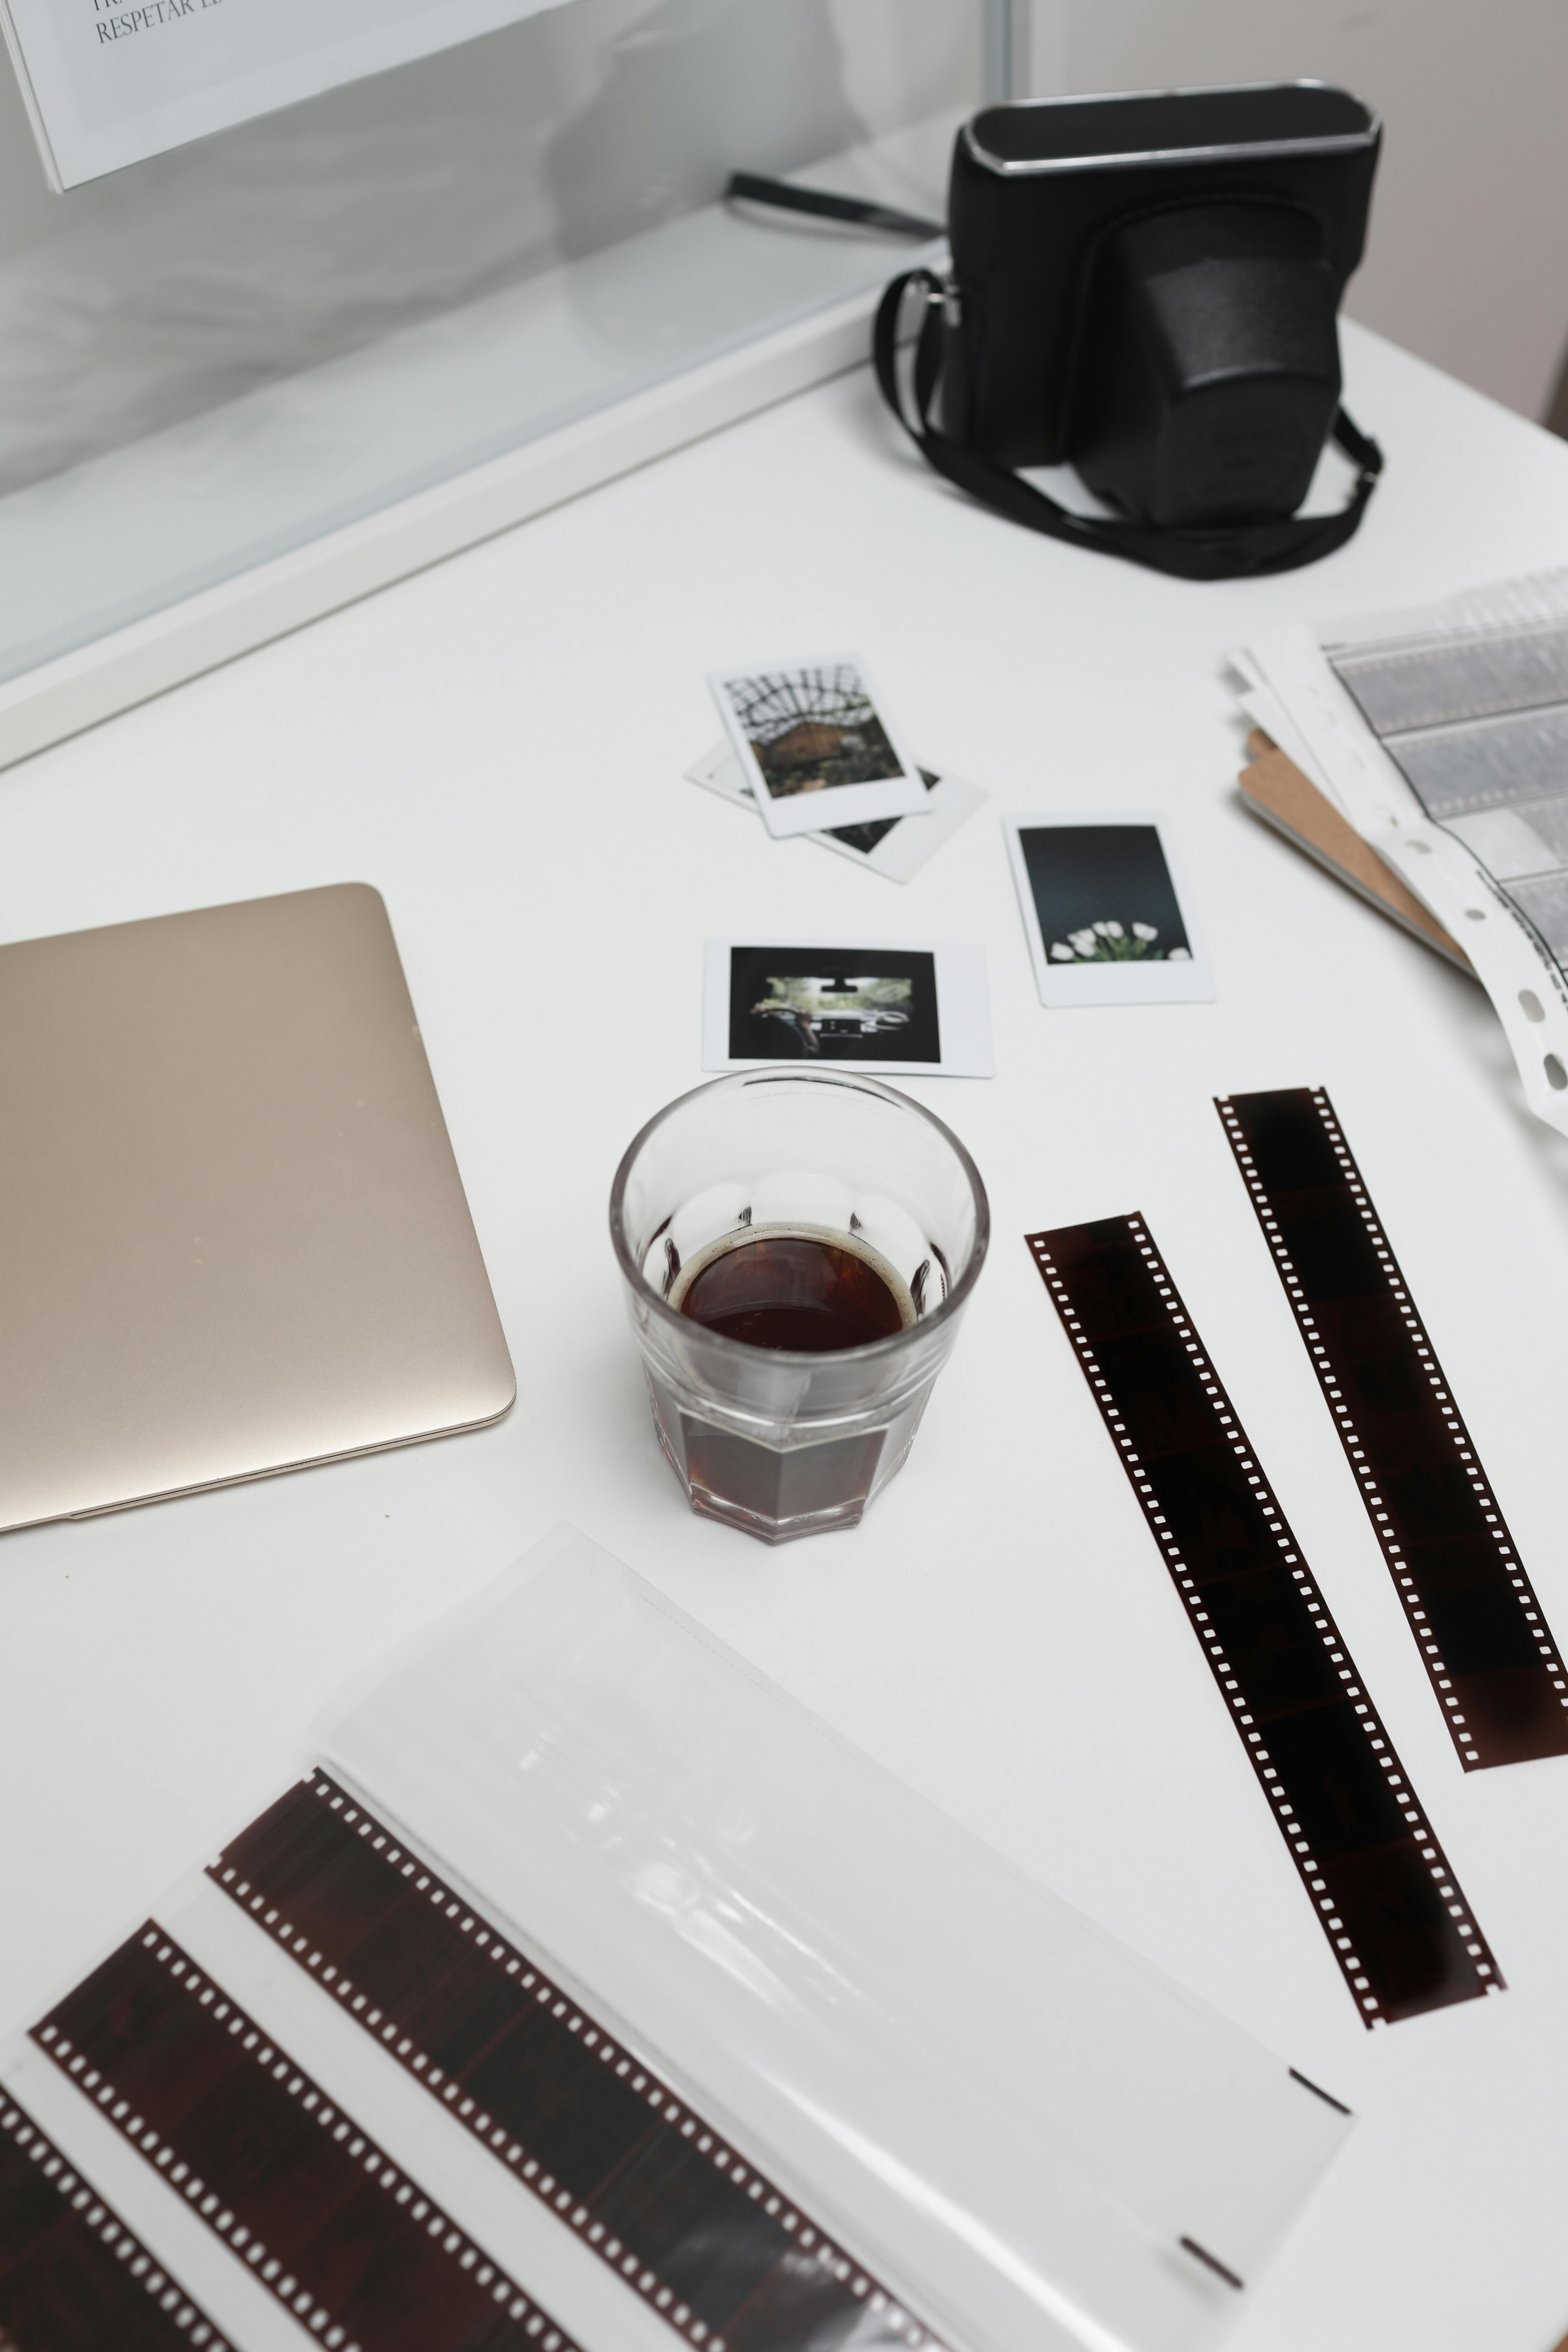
x: 217, y: 355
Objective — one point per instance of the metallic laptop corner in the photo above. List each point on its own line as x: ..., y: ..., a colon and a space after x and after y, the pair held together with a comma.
x: 235, y: 1241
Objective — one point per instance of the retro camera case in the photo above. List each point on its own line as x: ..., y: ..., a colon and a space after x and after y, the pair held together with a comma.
x: 1147, y: 287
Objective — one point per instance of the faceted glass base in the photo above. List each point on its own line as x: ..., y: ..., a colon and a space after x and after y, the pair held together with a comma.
x: 778, y: 1493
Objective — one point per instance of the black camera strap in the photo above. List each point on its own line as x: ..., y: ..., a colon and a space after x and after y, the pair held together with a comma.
x: 1223, y: 551
x: 821, y: 203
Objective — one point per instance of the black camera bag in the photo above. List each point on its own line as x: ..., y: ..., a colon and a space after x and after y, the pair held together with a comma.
x: 1147, y: 287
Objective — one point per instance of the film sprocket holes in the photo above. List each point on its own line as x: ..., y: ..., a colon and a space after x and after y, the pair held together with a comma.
x: 67, y: 2257
x: 1494, y: 1665
x: 903, y: 2029
x: 817, y: 744
x: 657, y: 2137
x: 1106, y: 918
x: 638, y: 2174
x: 1397, y: 1923
x: 1147, y: 287
x: 199, y: 2088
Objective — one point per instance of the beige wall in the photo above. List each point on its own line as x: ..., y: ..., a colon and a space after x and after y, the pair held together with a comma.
x: 1467, y: 259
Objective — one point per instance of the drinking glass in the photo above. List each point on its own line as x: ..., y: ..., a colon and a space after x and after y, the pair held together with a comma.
x: 779, y: 1442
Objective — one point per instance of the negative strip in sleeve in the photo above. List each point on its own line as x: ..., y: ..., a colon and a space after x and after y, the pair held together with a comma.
x: 71, y: 2273
x: 721, y: 2253
x: 296, y: 2190
x: 1107, y: 916
x: 1396, y: 1921
x: 1481, y: 1631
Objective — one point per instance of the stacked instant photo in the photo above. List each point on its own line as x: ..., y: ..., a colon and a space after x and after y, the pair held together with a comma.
x: 1106, y: 920
x: 1441, y: 734
x: 810, y: 749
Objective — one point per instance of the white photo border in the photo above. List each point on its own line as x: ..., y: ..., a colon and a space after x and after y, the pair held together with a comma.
x: 962, y: 1004
x: 898, y: 856
x: 1061, y: 985
x: 899, y: 796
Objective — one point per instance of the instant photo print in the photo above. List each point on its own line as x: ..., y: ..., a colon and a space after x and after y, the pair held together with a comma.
x: 894, y: 847
x: 1107, y: 919
x: 817, y: 745
x: 897, y: 1010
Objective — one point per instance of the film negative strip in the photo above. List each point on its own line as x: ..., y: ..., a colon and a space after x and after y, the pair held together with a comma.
x: 720, y: 2253
x: 364, y: 2260
x: 1397, y: 1923
x: 73, y: 2278
x: 1481, y: 1631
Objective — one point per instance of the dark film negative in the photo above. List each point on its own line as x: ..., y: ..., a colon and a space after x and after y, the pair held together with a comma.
x: 1395, y: 1920
x: 720, y: 2253
x: 1482, y: 1633
x: 352, y: 2248
x: 73, y: 2278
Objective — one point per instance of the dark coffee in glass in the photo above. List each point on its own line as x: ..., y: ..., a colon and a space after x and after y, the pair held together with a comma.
x: 796, y: 1290
x: 809, y: 1291
x: 797, y: 1248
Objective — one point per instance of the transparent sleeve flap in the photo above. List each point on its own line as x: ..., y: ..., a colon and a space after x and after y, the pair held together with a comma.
x: 1037, y: 2137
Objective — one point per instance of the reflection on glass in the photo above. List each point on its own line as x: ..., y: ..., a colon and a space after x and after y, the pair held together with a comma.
x: 220, y: 354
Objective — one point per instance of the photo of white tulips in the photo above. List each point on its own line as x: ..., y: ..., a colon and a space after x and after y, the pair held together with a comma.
x: 1108, y: 942
x: 1107, y: 920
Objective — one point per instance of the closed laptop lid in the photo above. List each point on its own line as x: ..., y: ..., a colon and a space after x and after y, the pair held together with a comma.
x: 233, y: 1237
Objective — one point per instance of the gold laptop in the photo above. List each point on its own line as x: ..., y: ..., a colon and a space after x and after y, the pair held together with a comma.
x: 233, y: 1237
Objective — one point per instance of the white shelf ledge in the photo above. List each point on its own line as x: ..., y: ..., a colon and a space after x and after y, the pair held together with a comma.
x: 145, y: 566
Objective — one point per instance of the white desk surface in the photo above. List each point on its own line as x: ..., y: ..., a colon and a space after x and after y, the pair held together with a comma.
x: 497, y: 744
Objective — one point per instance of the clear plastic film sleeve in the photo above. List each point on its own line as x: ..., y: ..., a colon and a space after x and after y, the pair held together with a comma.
x: 1035, y: 2137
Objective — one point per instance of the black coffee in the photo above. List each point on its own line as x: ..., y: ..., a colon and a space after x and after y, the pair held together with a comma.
x: 789, y: 1290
